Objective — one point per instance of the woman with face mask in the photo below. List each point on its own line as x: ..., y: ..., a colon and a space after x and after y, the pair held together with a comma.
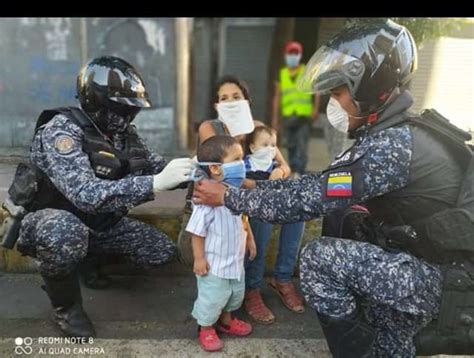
x: 234, y: 118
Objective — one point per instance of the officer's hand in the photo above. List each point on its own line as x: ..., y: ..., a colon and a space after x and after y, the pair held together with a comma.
x: 176, y: 172
x: 208, y: 192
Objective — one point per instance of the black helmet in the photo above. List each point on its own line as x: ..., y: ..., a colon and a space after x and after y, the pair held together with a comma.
x: 372, y: 59
x: 109, y: 83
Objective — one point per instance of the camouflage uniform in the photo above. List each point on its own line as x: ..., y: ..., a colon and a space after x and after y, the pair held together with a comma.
x: 57, y: 238
x: 400, y: 293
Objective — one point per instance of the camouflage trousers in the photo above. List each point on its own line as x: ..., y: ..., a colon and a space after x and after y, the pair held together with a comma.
x: 400, y: 294
x: 59, y: 241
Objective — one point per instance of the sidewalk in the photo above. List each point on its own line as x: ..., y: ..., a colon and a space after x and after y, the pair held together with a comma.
x: 150, y: 316
x: 146, y: 316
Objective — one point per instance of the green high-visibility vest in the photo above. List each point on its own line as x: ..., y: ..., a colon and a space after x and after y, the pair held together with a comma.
x: 293, y: 101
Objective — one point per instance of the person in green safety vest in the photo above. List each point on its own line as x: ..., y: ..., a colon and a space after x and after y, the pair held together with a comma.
x: 299, y: 110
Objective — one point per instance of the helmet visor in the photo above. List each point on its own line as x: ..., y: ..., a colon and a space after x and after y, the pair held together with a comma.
x: 132, y: 101
x: 328, y: 69
x: 124, y: 110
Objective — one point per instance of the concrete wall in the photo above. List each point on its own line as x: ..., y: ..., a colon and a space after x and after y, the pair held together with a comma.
x: 445, y: 79
x: 41, y: 57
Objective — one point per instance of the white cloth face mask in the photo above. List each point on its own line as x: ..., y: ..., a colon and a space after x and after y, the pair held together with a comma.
x: 337, y: 116
x: 236, y: 116
x: 262, y: 158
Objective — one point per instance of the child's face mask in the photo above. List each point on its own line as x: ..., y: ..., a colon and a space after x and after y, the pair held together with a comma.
x: 262, y: 158
x: 233, y: 172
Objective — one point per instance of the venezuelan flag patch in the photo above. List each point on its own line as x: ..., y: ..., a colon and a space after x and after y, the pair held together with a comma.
x: 339, y: 184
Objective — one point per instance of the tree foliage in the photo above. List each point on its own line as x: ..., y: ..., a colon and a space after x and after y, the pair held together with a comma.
x: 422, y: 28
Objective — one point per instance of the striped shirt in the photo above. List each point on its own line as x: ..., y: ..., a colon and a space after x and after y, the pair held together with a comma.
x: 224, y: 243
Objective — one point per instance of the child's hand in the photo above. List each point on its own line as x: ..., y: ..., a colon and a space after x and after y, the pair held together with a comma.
x: 248, y: 184
x: 277, y: 173
x: 251, y: 248
x: 201, y: 267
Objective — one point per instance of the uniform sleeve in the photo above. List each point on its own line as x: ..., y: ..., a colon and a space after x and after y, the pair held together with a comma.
x: 381, y: 165
x: 57, y: 151
x: 281, y: 184
x: 200, y: 220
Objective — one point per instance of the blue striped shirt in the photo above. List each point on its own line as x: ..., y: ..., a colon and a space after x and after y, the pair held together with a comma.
x: 224, y: 243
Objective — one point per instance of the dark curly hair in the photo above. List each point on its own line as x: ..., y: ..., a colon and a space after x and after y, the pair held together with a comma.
x: 231, y: 79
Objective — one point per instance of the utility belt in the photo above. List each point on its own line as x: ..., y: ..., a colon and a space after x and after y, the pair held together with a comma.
x: 445, y: 236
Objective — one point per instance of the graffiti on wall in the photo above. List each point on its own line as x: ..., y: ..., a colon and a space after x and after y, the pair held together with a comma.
x: 56, y: 32
x: 52, y: 71
x: 49, y: 87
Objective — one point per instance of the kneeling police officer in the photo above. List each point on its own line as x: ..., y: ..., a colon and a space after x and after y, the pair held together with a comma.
x: 404, y: 256
x: 88, y: 167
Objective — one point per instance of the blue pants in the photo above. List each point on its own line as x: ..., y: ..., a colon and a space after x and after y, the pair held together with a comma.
x: 402, y: 293
x: 289, y: 243
x: 59, y: 241
x: 297, y: 138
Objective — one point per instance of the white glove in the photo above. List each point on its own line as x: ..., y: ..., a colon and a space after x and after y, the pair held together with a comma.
x: 176, y: 172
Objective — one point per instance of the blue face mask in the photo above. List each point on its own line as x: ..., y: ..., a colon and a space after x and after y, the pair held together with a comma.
x: 292, y: 60
x: 234, y: 172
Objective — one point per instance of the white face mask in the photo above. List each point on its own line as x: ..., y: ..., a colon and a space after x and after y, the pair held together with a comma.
x: 262, y: 158
x: 236, y: 116
x: 337, y: 116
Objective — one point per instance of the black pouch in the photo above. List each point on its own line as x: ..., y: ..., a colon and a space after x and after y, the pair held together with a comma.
x: 21, y: 197
x: 106, y: 166
x: 25, y: 185
x: 138, y: 160
x: 453, y: 330
x: 451, y: 232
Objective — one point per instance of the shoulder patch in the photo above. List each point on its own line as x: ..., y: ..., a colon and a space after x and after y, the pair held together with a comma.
x: 339, y: 184
x: 64, y: 144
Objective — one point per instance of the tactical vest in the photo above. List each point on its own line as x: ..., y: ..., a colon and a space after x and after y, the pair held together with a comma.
x: 106, y: 161
x: 443, y: 223
x: 294, y: 101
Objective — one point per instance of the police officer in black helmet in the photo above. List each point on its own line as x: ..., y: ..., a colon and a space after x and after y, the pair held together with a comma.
x: 400, y: 250
x: 93, y: 168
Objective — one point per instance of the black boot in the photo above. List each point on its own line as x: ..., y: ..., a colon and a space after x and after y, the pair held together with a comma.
x: 68, y: 314
x: 348, y: 337
x: 91, y: 274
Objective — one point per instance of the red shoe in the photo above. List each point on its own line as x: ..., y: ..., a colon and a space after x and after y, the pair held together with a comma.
x: 236, y: 328
x: 209, y: 340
